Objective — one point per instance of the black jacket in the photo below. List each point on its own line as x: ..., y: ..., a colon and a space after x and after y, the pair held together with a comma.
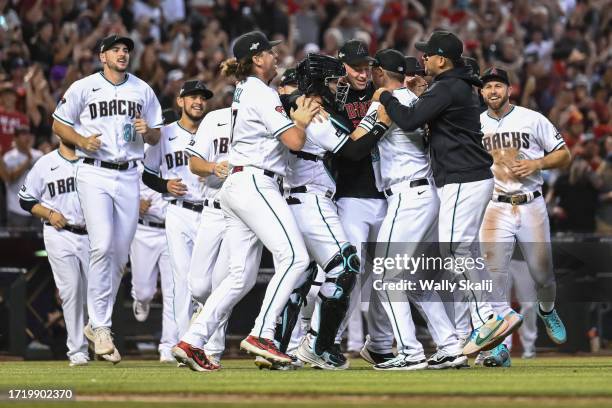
x: 451, y: 109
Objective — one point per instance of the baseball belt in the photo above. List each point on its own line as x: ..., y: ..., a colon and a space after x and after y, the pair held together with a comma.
x: 212, y: 203
x: 413, y: 183
x: 110, y: 165
x: 153, y: 224
x: 197, y: 207
x: 517, y: 199
x: 72, y: 228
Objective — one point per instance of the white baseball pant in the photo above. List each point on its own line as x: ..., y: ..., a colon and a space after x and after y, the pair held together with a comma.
x: 110, y: 201
x: 149, y: 259
x: 411, y: 220
x: 68, y: 255
x: 256, y: 215
x: 181, y: 231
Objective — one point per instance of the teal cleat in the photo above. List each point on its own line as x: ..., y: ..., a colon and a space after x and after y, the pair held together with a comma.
x: 554, y: 326
x: 499, y: 357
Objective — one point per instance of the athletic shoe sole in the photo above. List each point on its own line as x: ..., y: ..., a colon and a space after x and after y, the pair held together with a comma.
x: 250, y: 348
x: 472, y: 347
x: 513, y: 325
x: 414, y: 367
x: 182, y: 358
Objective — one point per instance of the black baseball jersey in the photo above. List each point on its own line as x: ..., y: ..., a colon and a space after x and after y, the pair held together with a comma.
x: 356, y: 178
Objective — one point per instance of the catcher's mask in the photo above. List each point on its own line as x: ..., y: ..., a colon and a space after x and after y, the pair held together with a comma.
x: 314, y: 75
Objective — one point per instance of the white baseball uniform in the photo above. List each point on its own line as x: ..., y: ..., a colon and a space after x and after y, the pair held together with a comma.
x: 13, y: 159
x: 52, y: 183
x: 313, y: 208
x: 210, y: 260
x: 521, y: 134
x: 256, y: 214
x: 150, y: 259
x: 109, y: 196
x: 404, y: 174
x: 169, y: 160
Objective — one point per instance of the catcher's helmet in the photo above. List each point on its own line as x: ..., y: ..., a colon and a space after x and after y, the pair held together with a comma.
x: 314, y: 74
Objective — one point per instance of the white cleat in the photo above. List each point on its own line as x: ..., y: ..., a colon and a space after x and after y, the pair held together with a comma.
x: 326, y: 361
x: 141, y: 310
x: 79, y: 359
x: 441, y: 360
x: 165, y: 356
x: 401, y: 362
x: 114, y: 356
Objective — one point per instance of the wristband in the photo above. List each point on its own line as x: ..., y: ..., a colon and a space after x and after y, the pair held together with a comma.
x: 379, y: 129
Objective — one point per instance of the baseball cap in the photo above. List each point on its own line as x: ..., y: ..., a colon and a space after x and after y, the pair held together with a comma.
x: 390, y: 60
x: 22, y: 129
x: 354, y: 52
x: 289, y: 77
x: 252, y: 43
x: 442, y: 43
x: 113, y: 39
x: 195, y: 87
x: 413, y: 67
x: 495, y: 74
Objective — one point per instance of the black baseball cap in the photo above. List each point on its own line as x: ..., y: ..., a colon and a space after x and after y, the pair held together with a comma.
x: 472, y: 63
x: 354, y: 52
x: 442, y: 43
x: 495, y: 74
x: 113, y: 39
x: 289, y: 77
x: 252, y: 43
x: 413, y: 67
x: 195, y: 87
x: 390, y: 60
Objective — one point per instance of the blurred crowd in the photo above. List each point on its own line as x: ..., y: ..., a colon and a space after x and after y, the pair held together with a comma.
x: 558, y: 53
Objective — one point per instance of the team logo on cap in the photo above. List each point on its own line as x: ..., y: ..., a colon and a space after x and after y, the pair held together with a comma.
x: 494, y: 71
x: 440, y: 51
x: 340, y: 55
x: 400, y: 69
x: 254, y: 46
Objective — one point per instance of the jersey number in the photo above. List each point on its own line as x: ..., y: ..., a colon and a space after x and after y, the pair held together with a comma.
x: 234, y: 114
x: 221, y: 145
x: 129, y: 133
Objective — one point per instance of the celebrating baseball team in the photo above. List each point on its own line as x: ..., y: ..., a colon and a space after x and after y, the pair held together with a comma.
x: 346, y: 151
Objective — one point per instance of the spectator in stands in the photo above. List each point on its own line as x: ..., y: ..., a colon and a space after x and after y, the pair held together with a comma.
x: 17, y: 162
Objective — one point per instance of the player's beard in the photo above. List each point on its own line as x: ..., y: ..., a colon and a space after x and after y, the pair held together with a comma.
x: 499, y: 103
x: 115, y: 67
x: 192, y: 117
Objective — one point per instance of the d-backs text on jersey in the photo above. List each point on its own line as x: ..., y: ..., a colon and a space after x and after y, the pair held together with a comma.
x: 61, y: 186
x: 506, y: 140
x: 115, y: 107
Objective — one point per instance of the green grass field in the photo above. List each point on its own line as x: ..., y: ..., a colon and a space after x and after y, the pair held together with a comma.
x: 543, y: 382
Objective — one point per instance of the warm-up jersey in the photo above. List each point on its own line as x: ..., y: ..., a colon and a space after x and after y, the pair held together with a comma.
x: 52, y: 183
x: 212, y: 143
x: 521, y: 134
x: 94, y: 105
x: 258, y: 120
x: 403, y: 155
x: 321, y: 138
x: 169, y: 160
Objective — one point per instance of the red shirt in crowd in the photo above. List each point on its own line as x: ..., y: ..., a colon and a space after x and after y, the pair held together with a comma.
x: 9, y: 121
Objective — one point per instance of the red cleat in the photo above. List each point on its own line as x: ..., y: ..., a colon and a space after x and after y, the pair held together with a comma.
x: 264, y: 348
x: 193, y: 357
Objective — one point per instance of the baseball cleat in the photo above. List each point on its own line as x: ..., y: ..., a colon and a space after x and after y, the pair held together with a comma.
x: 529, y: 353
x: 141, y: 310
x: 165, y: 356
x: 101, y: 338
x: 480, y: 357
x: 441, y: 360
x: 113, y: 357
x: 79, y: 359
x: 554, y: 326
x: 499, y: 357
x: 262, y: 364
x: 264, y: 348
x: 403, y: 363
x: 330, y: 359
x: 373, y: 357
x: 485, y: 335
x: 193, y: 357
x: 514, y: 320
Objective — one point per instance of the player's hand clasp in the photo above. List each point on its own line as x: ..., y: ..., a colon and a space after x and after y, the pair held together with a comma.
x: 221, y: 169
x: 91, y: 143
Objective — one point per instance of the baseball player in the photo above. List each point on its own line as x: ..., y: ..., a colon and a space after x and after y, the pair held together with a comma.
x: 311, y: 191
x: 150, y: 259
x: 49, y: 193
x: 404, y: 175
x: 255, y: 211
x: 208, y: 158
x: 108, y: 116
x: 360, y: 205
x: 166, y: 170
x: 522, y: 142
x: 461, y: 169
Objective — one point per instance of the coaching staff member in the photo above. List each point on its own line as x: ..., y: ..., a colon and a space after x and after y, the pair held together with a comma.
x: 461, y: 165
